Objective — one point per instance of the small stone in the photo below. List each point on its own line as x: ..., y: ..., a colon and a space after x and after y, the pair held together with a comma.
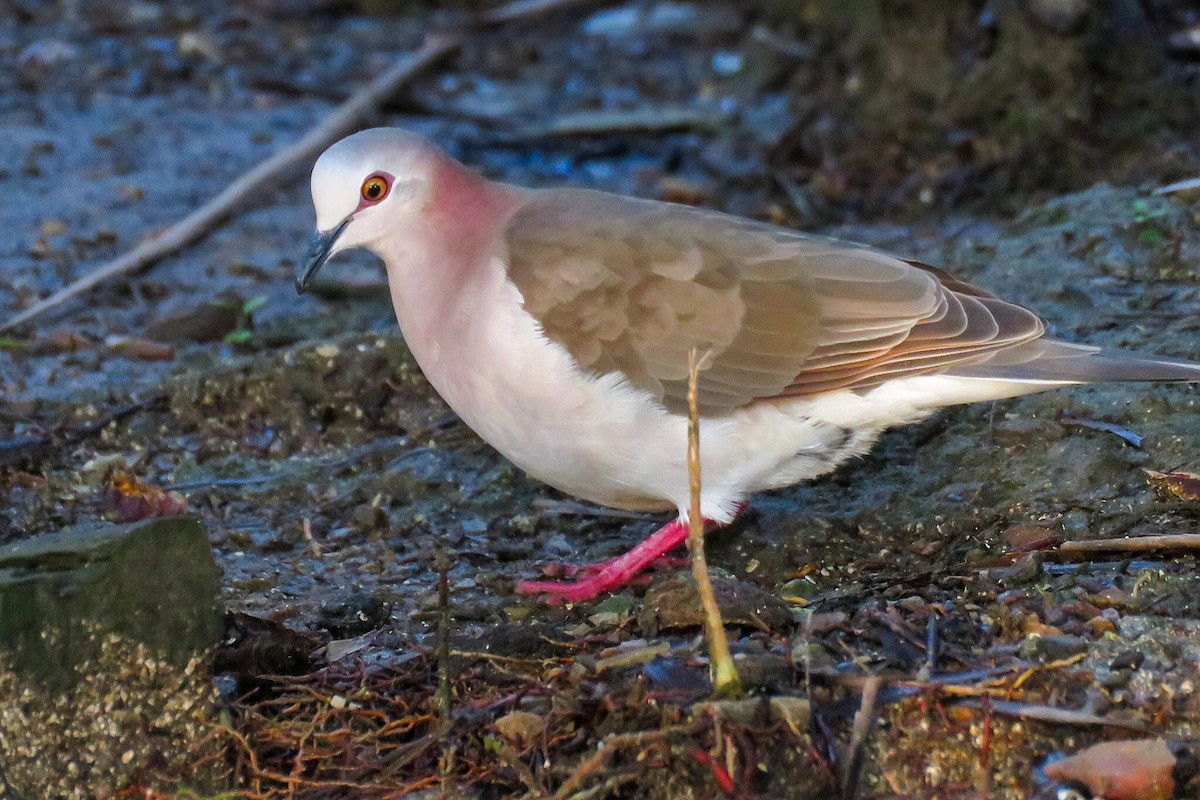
x: 367, y: 517
x: 1052, y: 648
x: 1112, y: 597
x: 1025, y: 535
x: 1129, y: 660
x: 1027, y: 569
x: 620, y: 604
x: 768, y: 673
x: 353, y: 614
x: 1075, y: 523
x: 796, y: 589
x: 825, y: 621
x: 673, y: 602
x: 1080, y: 609
x: 1112, y: 678
x: 811, y: 656
x: 1034, y: 627
x: 745, y: 711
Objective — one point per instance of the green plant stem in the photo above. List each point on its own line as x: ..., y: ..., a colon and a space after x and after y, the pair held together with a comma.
x: 722, y: 671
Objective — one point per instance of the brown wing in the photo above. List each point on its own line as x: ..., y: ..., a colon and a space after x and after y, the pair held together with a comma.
x: 631, y: 286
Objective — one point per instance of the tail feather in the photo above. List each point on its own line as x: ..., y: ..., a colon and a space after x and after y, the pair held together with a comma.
x: 1053, y: 362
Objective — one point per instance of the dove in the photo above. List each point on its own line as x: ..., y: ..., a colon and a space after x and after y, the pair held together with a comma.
x: 557, y: 324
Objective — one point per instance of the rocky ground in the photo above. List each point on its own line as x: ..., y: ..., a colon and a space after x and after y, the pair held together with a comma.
x: 331, y: 479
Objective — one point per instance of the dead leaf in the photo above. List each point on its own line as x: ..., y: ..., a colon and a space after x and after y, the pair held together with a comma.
x: 520, y: 728
x: 338, y: 649
x: 1140, y: 769
x: 127, y: 499
x: 1183, y: 486
x: 142, y: 349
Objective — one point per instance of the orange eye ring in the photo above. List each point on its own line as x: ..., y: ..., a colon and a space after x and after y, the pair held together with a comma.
x: 375, y: 188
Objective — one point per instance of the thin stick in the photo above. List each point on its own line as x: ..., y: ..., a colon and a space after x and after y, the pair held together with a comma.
x: 1053, y: 714
x: 343, y: 119
x: 443, y: 697
x: 1179, y: 186
x: 1134, y: 544
x: 864, y: 720
x: 723, y: 673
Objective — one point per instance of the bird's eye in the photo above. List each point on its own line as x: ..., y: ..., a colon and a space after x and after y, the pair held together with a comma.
x: 375, y: 188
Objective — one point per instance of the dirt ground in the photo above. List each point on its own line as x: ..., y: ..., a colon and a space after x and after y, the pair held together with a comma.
x: 1017, y: 153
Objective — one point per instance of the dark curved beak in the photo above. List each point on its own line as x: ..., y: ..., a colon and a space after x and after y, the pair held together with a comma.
x: 318, y: 254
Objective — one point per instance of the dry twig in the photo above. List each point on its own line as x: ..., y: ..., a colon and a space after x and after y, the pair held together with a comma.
x: 442, y: 698
x: 1134, y: 544
x: 1053, y: 714
x: 864, y: 719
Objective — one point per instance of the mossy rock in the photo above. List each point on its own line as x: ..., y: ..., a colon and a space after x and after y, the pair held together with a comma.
x: 154, y: 582
x: 106, y: 640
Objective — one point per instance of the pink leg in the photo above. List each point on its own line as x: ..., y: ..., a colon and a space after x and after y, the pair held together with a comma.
x: 616, y: 572
x: 555, y: 570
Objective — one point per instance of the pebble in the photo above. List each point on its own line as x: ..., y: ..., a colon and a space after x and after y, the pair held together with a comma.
x: 1112, y: 678
x: 1075, y: 523
x: 1052, y: 648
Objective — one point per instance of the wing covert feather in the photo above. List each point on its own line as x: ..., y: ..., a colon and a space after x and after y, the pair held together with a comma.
x: 631, y: 286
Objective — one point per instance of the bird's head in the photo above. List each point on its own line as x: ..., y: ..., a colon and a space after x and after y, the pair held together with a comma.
x: 364, y: 187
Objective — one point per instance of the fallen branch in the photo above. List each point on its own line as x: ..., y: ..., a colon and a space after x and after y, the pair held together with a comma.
x: 342, y: 121
x: 1134, y: 544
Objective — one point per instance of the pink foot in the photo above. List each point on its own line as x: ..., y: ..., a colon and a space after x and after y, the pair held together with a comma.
x: 616, y: 572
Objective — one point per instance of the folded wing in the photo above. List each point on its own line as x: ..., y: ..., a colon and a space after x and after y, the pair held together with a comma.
x: 631, y: 286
